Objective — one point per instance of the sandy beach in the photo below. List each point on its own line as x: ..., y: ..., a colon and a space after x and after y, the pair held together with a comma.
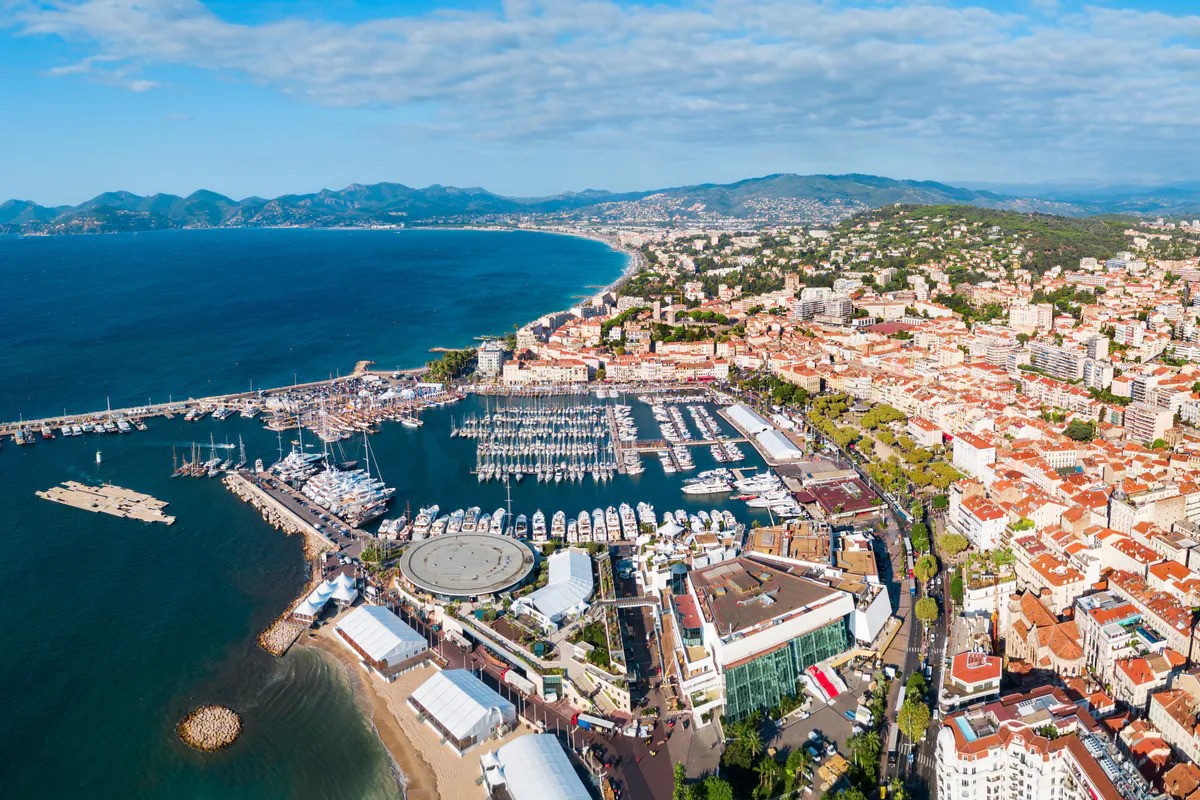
x: 432, y: 770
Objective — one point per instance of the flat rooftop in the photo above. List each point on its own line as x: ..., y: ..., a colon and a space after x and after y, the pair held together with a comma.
x: 743, y: 593
x: 466, y: 564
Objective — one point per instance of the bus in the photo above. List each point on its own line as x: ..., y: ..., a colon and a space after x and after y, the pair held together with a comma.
x: 893, y: 744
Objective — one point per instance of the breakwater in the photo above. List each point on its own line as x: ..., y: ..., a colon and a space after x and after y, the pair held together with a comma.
x: 283, y: 631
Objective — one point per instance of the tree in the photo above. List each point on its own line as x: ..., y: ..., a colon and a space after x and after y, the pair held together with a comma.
x: 1080, y: 431
x: 927, y: 610
x: 915, y: 686
x: 913, y: 719
x: 601, y: 373
x: 680, y: 792
x: 865, y: 749
x: 769, y: 776
x: 896, y: 790
x: 794, y: 769
x: 920, y: 536
x: 926, y: 568
x: 956, y: 589
x: 953, y: 543
x: 717, y: 789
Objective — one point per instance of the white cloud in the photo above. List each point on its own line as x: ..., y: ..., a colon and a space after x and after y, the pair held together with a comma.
x: 1097, y: 83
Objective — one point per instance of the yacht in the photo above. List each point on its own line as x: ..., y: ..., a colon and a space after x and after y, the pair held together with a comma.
x: 558, y: 526
x: 612, y: 521
x: 539, y: 526
x: 439, y: 526
x: 572, y: 531
x: 521, y: 529
x: 585, y: 527
x: 599, y: 532
x: 485, y: 523
x: 456, y: 521
x: 498, y: 521
x: 710, y: 486
x: 424, y: 520
x: 470, y: 519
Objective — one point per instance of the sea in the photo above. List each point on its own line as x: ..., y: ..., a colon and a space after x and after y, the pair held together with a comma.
x: 115, y: 629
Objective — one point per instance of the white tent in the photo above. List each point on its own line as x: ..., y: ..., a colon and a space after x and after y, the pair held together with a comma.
x: 462, y: 706
x: 381, y: 635
x: 567, y: 590
x: 779, y: 447
x: 534, y: 767
x: 748, y: 419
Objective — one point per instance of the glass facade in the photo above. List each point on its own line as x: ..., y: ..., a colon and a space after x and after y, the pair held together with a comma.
x: 763, y: 682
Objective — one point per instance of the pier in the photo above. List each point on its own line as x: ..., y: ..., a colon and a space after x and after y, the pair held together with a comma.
x: 109, y: 499
x: 198, y: 407
x: 283, y: 632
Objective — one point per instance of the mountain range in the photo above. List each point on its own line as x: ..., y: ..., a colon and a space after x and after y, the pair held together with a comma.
x: 778, y: 199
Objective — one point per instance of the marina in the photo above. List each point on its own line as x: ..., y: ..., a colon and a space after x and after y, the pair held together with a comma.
x: 109, y: 499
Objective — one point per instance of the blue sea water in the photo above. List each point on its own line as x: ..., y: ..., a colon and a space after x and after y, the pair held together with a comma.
x: 115, y: 629
x: 193, y: 313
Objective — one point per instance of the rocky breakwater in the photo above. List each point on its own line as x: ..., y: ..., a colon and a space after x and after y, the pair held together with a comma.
x: 210, y: 728
x: 283, y: 632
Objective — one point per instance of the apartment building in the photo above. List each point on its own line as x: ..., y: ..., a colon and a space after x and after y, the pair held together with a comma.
x: 1002, y: 751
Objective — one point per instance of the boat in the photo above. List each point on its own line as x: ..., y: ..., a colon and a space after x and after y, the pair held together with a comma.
x: 424, y: 519
x: 470, y: 519
x: 558, y: 526
x: 612, y: 523
x: 439, y: 526
x: 599, y: 531
x: 498, y: 521
x: 711, y: 486
x: 456, y: 521
x: 521, y: 529
x: 47, y: 433
x: 585, y: 526
x: 485, y: 522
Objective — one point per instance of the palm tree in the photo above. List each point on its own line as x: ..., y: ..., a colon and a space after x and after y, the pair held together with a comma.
x: 865, y: 748
x: 769, y: 773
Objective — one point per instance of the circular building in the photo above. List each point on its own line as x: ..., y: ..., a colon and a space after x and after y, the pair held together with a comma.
x: 464, y: 565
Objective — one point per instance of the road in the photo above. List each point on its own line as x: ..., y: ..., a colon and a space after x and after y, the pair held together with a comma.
x: 915, y: 764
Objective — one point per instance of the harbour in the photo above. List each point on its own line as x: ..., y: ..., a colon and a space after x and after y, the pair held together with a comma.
x: 218, y: 577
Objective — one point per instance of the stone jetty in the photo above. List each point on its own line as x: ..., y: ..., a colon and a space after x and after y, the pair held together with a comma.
x: 281, y: 634
x: 210, y: 728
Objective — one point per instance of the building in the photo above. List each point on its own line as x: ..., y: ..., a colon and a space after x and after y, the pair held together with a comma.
x: 1036, y: 745
x: 1031, y: 316
x: 1176, y: 714
x: 566, y: 592
x: 532, y: 767
x: 1098, y: 374
x: 1063, y: 363
x: 762, y: 626
x: 462, y: 708
x: 384, y: 643
x: 971, y: 678
x: 974, y: 455
x: 565, y: 371
x: 978, y: 518
x: 490, y: 359
x: 1146, y: 423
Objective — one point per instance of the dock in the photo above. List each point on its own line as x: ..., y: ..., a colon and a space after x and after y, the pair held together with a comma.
x: 109, y: 499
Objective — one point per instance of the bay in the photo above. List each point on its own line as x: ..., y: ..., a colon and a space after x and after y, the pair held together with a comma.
x: 115, y: 628
x: 131, y: 317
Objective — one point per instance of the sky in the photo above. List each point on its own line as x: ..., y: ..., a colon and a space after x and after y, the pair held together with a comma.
x: 536, y: 97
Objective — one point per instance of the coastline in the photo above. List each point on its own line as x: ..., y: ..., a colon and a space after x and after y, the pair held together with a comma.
x: 426, y: 768
x: 413, y: 772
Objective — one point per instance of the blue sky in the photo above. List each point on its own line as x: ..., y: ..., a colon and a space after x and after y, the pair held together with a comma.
x: 531, y: 97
